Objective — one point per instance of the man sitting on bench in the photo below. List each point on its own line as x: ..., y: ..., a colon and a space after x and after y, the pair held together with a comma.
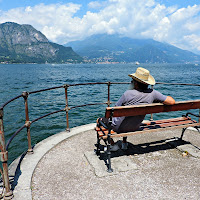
x: 139, y: 93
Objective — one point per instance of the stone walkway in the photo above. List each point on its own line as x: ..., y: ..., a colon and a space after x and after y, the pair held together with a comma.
x: 155, y: 166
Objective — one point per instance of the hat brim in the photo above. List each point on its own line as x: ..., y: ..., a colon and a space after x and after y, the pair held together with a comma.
x: 150, y: 81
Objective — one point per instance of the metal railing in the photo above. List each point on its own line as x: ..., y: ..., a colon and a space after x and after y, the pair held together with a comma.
x: 8, y: 194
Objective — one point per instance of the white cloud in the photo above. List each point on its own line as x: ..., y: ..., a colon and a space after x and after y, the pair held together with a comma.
x: 97, y: 4
x: 193, y: 41
x: 28, y: 9
x: 132, y: 18
x: 185, y: 23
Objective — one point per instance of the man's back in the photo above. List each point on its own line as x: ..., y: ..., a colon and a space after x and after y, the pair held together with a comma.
x: 134, y: 97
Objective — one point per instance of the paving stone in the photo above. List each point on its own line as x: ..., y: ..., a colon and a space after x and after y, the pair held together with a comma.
x: 119, y: 164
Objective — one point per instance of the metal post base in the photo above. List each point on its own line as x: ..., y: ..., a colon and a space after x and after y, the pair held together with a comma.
x: 110, y: 170
x: 8, y: 196
x: 68, y: 129
x: 30, y: 151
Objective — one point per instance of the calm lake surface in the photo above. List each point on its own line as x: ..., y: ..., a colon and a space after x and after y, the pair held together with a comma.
x: 16, y: 78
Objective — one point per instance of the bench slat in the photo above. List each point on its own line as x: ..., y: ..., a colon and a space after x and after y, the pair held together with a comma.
x: 165, y: 121
x: 153, y: 122
x: 134, y: 110
x: 147, y: 123
x: 165, y: 125
x: 148, y: 131
x: 180, y: 122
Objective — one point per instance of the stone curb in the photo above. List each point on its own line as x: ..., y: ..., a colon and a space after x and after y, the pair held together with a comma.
x: 23, y: 167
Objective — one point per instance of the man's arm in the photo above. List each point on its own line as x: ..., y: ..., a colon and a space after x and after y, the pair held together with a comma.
x: 169, y: 101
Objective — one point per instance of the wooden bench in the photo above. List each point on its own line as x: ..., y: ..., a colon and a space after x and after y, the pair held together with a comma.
x: 105, y: 132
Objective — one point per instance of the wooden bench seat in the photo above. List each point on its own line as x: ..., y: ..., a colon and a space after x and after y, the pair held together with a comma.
x: 105, y: 132
x: 150, y: 126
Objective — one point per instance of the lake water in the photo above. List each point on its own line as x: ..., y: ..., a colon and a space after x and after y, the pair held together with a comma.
x: 16, y: 78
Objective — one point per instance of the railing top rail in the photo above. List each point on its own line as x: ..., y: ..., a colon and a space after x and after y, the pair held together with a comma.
x: 82, y: 84
x: 42, y: 90
x: 48, y: 114
x: 6, y: 103
x: 66, y: 85
x: 189, y: 84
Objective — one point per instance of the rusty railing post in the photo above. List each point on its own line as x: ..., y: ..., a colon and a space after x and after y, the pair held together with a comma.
x: 8, y: 194
x: 108, y: 102
x: 27, y: 123
x: 67, y: 107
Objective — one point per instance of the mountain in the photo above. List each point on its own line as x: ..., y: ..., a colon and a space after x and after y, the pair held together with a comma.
x: 24, y: 44
x: 113, y: 48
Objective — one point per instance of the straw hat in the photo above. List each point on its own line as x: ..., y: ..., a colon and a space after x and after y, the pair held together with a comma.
x: 142, y: 75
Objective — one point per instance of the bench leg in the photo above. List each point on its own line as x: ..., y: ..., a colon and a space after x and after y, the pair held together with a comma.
x: 197, y: 127
x: 183, y: 131
x: 109, y: 155
x: 98, y: 145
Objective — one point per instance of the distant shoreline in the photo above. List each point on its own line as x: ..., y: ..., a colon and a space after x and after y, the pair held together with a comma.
x: 97, y: 63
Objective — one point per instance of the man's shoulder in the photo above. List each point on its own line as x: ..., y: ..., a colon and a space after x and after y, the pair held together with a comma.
x: 138, y: 91
x: 156, y: 91
x: 130, y: 91
x: 158, y: 95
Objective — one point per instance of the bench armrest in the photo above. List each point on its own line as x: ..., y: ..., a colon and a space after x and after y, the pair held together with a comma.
x: 101, y: 123
x: 189, y: 113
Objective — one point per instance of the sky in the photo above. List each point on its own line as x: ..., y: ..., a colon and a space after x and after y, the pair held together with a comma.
x: 176, y: 22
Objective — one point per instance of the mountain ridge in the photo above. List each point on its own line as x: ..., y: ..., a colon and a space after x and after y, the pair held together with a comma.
x: 114, y: 48
x: 25, y: 44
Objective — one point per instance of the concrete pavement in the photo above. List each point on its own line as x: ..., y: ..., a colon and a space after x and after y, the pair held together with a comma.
x: 155, y: 166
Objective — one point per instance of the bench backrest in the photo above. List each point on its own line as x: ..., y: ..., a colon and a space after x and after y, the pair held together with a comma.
x: 134, y: 110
